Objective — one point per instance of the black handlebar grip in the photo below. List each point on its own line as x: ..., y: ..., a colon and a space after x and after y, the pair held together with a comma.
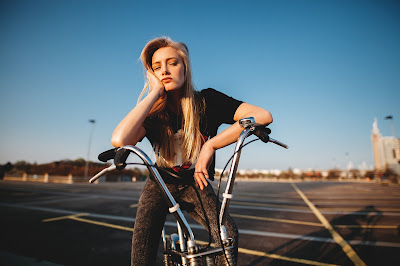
x: 262, y: 133
x: 120, y: 158
x: 107, y: 155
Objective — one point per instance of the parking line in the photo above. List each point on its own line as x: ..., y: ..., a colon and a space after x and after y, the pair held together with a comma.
x: 280, y: 257
x: 364, y: 226
x: 275, y: 220
x: 76, y: 218
x: 348, y: 250
x: 64, y: 217
x: 102, y: 224
x: 282, y: 206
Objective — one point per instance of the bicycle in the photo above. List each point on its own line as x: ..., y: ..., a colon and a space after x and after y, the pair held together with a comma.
x: 180, y: 248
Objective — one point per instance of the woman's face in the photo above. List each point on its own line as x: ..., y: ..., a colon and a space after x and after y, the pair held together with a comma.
x: 168, y: 66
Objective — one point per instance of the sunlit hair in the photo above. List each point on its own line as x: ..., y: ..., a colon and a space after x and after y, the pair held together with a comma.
x: 191, y: 105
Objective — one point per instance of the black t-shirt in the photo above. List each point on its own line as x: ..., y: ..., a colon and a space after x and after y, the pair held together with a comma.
x: 219, y: 109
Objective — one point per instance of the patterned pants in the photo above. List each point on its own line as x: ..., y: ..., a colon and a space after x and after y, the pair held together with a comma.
x: 153, y: 208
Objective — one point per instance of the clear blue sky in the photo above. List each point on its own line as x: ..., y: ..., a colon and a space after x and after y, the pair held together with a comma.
x: 325, y: 70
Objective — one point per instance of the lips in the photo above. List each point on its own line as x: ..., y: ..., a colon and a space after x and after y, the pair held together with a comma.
x: 166, y: 80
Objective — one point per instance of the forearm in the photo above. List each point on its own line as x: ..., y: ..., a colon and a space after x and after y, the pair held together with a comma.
x: 130, y: 130
x: 231, y: 134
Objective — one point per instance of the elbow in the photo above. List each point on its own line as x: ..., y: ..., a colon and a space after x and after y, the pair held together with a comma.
x: 269, y: 118
x: 265, y: 117
x: 117, y: 141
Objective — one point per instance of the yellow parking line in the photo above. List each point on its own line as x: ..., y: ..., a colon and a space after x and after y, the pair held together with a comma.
x: 133, y: 205
x: 366, y: 226
x: 102, y: 224
x: 280, y: 257
x: 348, y: 250
x: 64, y: 217
x: 385, y: 209
x: 268, y: 205
x: 275, y: 220
x: 314, y: 224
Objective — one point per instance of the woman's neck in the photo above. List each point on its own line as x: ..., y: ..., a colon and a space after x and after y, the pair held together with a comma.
x: 174, y: 101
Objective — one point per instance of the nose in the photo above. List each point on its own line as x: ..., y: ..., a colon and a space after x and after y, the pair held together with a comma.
x: 164, y: 70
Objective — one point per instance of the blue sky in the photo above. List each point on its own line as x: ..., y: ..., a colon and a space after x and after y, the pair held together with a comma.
x: 325, y: 70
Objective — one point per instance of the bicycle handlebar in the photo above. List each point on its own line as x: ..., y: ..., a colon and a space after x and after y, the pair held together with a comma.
x: 121, y: 154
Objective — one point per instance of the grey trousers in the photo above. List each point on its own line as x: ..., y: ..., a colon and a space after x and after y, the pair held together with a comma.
x: 151, y: 214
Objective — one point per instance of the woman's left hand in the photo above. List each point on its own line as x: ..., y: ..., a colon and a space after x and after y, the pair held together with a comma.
x: 203, y: 162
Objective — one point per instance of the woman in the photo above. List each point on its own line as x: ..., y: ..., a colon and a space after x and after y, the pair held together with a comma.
x: 181, y: 124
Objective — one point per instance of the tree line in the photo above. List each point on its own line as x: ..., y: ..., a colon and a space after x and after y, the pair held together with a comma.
x: 67, y: 167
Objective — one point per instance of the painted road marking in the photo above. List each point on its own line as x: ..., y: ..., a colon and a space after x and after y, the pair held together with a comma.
x: 133, y: 205
x: 235, y: 206
x: 267, y: 205
x: 313, y: 224
x: 274, y: 220
x: 348, y: 250
x: 102, y: 224
x: 365, y: 226
x: 280, y: 257
x: 61, y: 200
x: 241, y: 250
x: 65, y: 217
x: 322, y: 209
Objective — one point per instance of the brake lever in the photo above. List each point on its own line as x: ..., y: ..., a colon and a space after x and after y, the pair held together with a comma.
x: 262, y: 132
x: 120, y: 158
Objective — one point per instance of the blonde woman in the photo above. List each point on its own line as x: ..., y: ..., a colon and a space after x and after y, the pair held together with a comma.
x: 181, y: 124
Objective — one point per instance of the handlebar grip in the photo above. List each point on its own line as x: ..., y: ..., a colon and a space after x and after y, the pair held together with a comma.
x: 262, y: 133
x: 120, y: 158
x: 107, y: 155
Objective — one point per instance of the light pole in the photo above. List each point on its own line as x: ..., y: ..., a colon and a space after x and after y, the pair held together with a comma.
x: 92, y: 121
x: 390, y: 117
x: 347, y: 164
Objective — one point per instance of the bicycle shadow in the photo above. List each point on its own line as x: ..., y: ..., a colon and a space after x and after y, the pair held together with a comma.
x: 330, y: 252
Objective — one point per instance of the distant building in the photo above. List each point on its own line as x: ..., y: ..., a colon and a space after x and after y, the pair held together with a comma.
x: 386, y: 150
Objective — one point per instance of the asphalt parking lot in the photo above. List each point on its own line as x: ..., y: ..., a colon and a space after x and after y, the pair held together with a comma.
x: 280, y: 223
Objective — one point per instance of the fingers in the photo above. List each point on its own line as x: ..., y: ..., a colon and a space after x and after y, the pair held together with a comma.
x: 155, y: 83
x: 200, y: 178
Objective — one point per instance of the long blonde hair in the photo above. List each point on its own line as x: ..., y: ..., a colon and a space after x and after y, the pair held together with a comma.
x: 191, y: 106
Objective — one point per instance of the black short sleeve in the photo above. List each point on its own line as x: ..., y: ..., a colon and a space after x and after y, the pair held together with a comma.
x: 219, y: 109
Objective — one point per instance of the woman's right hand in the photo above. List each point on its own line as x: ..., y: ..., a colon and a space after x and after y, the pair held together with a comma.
x: 155, y: 84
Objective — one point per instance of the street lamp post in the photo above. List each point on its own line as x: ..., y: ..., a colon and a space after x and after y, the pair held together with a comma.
x: 92, y: 121
x: 347, y: 165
